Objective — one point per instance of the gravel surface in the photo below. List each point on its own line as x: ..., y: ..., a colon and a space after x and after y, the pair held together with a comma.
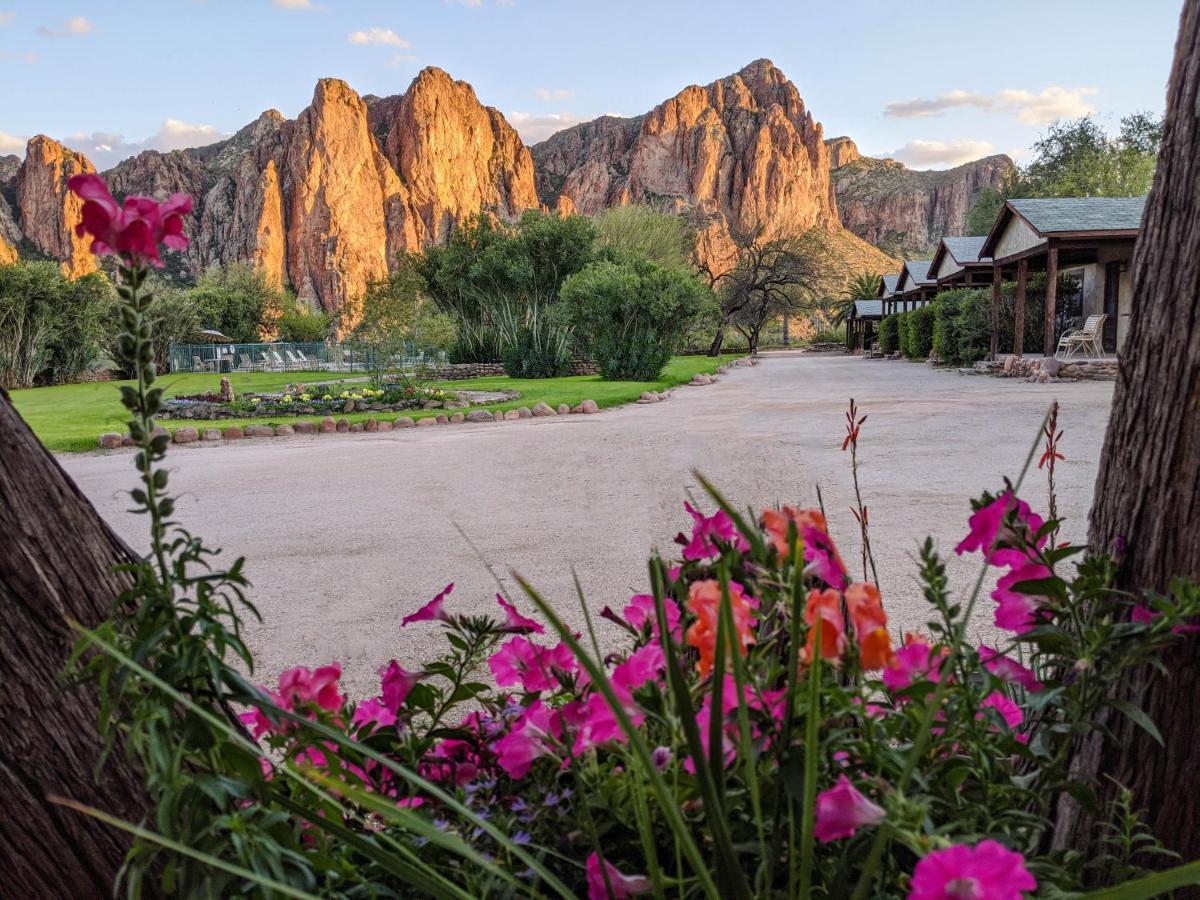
x: 345, y: 534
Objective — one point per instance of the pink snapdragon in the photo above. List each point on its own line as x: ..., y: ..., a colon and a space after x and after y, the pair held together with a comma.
x: 619, y: 886
x: 433, y: 611
x: 1015, y: 610
x: 706, y: 530
x: 842, y: 810
x: 988, y: 532
x: 988, y: 871
x: 1008, y: 669
x: 822, y: 558
x: 515, y: 622
x: 133, y: 230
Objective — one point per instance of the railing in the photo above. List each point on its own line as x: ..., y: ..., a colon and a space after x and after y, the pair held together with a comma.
x: 298, y: 357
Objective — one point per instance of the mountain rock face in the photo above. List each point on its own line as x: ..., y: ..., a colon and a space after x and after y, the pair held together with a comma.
x: 905, y: 212
x: 842, y: 152
x: 738, y: 154
x: 48, y: 211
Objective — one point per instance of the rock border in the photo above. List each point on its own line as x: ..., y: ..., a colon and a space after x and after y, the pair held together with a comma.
x: 113, y: 440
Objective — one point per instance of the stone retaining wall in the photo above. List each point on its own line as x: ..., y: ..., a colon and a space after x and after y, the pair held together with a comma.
x: 1046, y: 369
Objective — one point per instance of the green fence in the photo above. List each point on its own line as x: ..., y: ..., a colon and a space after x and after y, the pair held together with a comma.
x: 296, y: 357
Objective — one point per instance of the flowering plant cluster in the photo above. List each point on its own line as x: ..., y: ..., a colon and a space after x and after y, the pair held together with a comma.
x: 750, y: 724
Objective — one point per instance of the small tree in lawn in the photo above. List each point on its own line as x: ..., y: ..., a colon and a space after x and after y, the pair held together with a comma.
x: 387, y: 318
x: 634, y: 314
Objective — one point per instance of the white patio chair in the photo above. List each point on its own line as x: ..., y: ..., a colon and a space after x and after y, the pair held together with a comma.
x: 309, y: 365
x: 280, y: 365
x: 1086, y: 339
x: 294, y: 364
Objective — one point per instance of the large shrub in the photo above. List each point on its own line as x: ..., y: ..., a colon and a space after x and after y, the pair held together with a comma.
x: 52, y: 329
x: 945, y: 337
x: 641, y: 231
x: 889, y: 334
x: 236, y: 300
x: 918, y: 336
x: 633, y: 314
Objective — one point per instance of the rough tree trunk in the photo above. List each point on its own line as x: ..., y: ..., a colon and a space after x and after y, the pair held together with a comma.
x: 1148, y: 490
x: 56, y: 560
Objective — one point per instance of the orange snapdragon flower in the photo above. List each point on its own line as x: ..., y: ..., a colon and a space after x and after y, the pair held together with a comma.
x: 704, y: 602
x: 865, y: 605
x: 825, y: 607
x: 776, y: 521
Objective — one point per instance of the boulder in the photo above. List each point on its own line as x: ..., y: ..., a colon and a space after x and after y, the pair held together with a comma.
x: 1009, y: 362
x: 127, y: 440
x: 371, y: 425
x: 284, y: 431
x: 457, y: 418
x: 356, y: 428
x: 480, y: 415
x: 348, y: 406
x: 403, y: 422
x: 1051, y: 366
x: 257, y: 431
x: 426, y: 422
x: 563, y: 409
x: 305, y: 427
x: 186, y: 436
x: 511, y: 415
x: 343, y: 425
x: 227, y: 395
x: 648, y: 397
x: 328, y: 425
x: 589, y: 407
x: 523, y: 412
x: 233, y: 433
x: 210, y: 434
x: 110, y: 440
x: 385, y: 425
x: 443, y: 420
x: 543, y: 409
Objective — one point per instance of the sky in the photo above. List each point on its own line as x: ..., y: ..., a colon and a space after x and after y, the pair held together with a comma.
x: 930, y: 83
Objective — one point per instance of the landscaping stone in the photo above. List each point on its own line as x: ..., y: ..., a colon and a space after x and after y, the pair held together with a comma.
x: 233, y: 433
x: 343, y: 425
x: 256, y: 431
x: 432, y: 404
x: 589, y: 407
x: 403, y: 422
x: 649, y: 397
x: 511, y: 416
x: 348, y: 407
x: 385, y: 425
x: 110, y: 440
x: 443, y: 420
x: 426, y: 422
x: 563, y: 409
x: 457, y: 418
x: 372, y: 425
x: 187, y: 436
x: 328, y: 425
x: 523, y: 412
x: 284, y: 431
x: 305, y: 427
x: 357, y: 428
x: 159, y: 431
x: 544, y: 409
x: 480, y: 415
x: 127, y: 440
x: 210, y: 434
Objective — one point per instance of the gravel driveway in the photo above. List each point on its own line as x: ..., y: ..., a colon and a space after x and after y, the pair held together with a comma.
x: 345, y: 534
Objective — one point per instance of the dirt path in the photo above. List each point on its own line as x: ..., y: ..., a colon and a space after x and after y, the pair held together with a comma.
x: 345, y: 534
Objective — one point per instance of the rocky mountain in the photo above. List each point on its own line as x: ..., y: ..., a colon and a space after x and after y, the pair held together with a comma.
x: 902, y: 211
x: 741, y: 153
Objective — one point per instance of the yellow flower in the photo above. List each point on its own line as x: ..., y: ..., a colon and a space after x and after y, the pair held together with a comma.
x: 304, y: 398
x: 287, y: 398
x: 326, y: 397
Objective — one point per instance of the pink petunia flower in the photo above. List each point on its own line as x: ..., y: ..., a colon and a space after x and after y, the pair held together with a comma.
x: 911, y: 663
x: 1017, y: 611
x: 529, y: 738
x: 133, y: 231
x: 708, y: 529
x: 641, y: 610
x: 643, y: 665
x: 515, y: 622
x: 618, y: 887
x: 1008, y: 669
x: 373, y: 712
x: 432, y: 611
x: 319, y: 686
x: 534, y: 668
x: 395, y: 682
x: 842, y: 810
x: 988, y: 871
x: 1008, y: 710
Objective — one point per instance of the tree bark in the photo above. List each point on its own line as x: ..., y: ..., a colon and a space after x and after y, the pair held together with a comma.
x: 1147, y: 498
x: 56, y: 563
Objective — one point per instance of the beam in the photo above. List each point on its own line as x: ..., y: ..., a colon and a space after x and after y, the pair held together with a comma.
x: 1019, y: 308
x: 1048, y: 342
x: 994, y: 348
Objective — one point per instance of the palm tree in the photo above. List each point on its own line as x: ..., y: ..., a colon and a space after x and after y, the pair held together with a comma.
x: 863, y: 286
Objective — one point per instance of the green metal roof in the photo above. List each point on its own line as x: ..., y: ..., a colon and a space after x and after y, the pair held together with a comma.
x: 1050, y: 216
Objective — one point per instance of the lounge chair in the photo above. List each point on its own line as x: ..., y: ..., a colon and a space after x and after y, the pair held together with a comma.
x: 268, y: 365
x: 310, y: 365
x: 280, y: 365
x: 293, y: 363
x: 245, y: 364
x: 1086, y: 339
x: 198, y: 365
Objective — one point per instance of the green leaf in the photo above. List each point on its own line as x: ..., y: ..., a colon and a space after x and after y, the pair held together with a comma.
x: 1138, y: 715
x: 1151, y: 886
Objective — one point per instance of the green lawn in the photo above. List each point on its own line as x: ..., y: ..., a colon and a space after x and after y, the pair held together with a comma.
x: 70, y: 417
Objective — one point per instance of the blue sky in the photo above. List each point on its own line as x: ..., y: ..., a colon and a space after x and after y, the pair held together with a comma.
x: 933, y: 83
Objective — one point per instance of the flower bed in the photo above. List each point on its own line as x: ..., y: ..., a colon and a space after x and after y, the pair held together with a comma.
x: 309, y: 400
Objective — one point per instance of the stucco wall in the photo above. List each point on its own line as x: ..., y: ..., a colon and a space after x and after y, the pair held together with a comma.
x: 1017, y: 236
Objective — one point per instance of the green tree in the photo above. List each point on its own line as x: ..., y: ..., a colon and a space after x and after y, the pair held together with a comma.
x: 634, y: 312
x: 863, y: 286
x: 396, y: 317
x: 642, y: 231
x: 235, y: 300
x: 986, y: 208
x: 296, y: 321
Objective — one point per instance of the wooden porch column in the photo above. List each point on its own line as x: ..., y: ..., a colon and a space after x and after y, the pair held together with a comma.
x: 1019, y: 310
x: 1049, y: 345
x: 994, y: 350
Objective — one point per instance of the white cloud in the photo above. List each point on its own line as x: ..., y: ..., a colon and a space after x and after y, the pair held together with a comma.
x: 105, y: 148
x: 940, y: 154
x: 552, y: 93
x: 296, y: 4
x: 6, y: 17
x: 11, y: 143
x: 534, y: 127
x: 399, y: 60
x: 1034, y: 107
x: 384, y: 36
x: 74, y: 26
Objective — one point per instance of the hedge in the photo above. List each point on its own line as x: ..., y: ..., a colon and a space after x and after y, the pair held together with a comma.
x: 889, y: 334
